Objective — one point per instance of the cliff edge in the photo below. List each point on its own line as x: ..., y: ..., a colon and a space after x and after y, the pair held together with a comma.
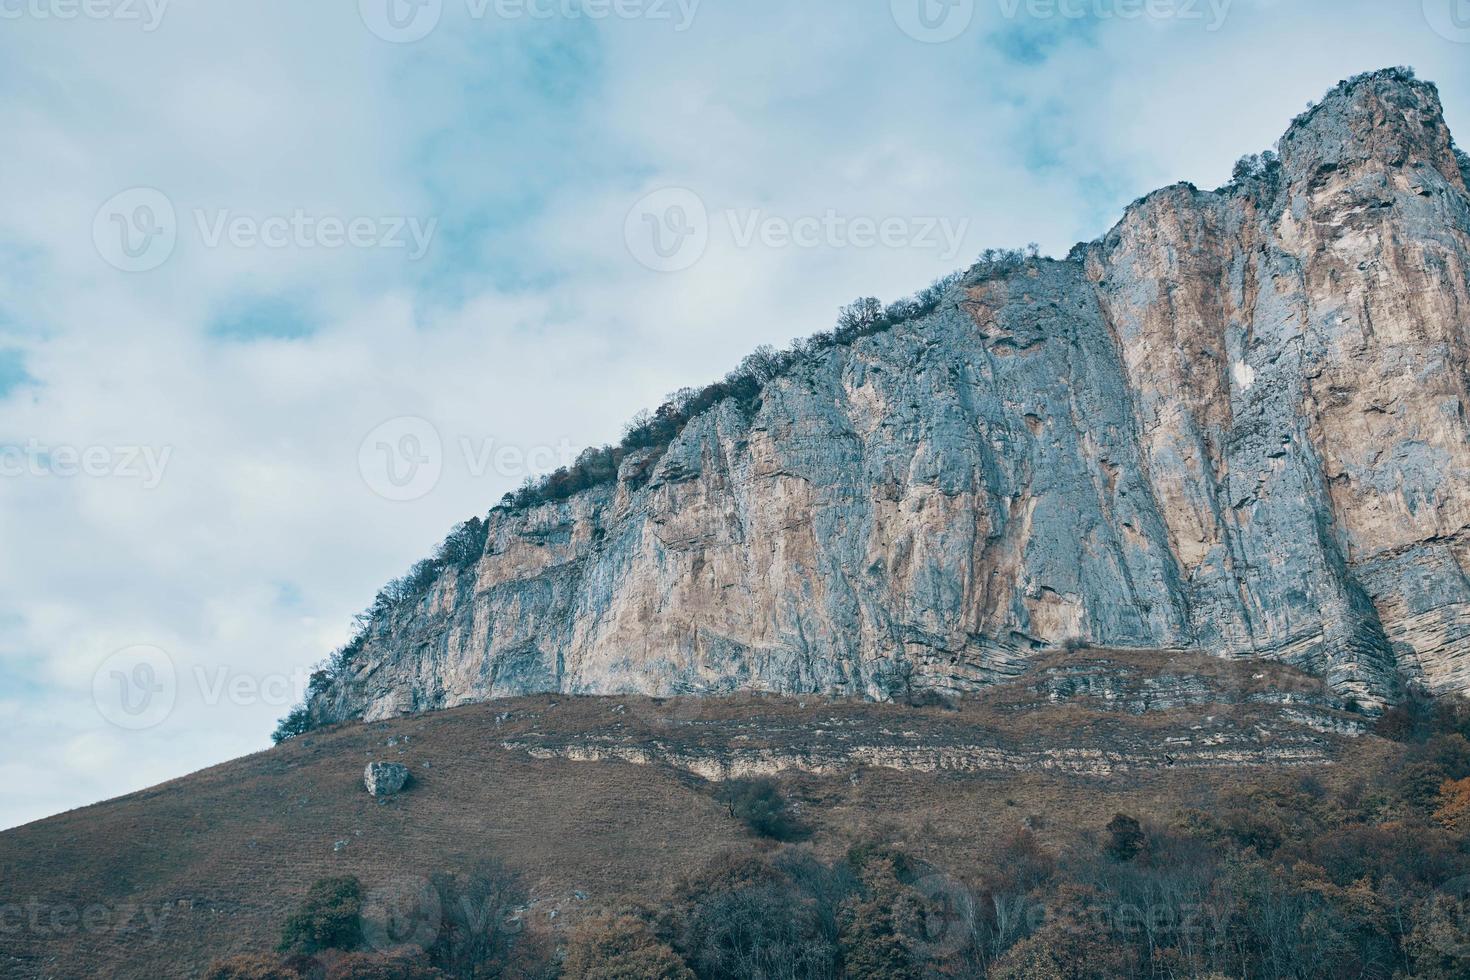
x: 1236, y: 424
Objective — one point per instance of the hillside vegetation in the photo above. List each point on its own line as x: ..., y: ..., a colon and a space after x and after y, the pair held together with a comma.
x: 1205, y: 834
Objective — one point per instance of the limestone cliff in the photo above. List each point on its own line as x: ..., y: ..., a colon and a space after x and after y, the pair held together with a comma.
x: 1236, y: 424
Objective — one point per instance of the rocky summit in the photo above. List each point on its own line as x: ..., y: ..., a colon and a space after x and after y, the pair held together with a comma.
x: 1234, y: 425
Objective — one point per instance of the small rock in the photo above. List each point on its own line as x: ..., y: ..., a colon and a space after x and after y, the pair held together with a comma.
x: 385, y: 778
x: 340, y: 846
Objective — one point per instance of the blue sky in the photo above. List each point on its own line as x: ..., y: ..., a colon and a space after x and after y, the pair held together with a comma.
x: 189, y: 448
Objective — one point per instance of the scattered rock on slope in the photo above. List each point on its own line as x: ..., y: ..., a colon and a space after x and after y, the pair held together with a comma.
x: 385, y: 778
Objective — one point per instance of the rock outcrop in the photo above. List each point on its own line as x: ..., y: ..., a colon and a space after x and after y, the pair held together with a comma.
x: 385, y: 778
x: 1103, y: 714
x: 1236, y: 424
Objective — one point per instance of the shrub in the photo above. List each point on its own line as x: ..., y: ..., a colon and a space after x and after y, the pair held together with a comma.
x: 296, y: 723
x: 759, y: 930
x: 1256, y: 167
x: 1027, y: 866
x: 480, y: 932
x: 1411, y: 720
x: 620, y: 947
x: 329, y: 918
x: 464, y: 545
x: 758, y: 804
x: 859, y: 315
x: 1126, y: 838
x: 1438, y: 936
x: 1419, y: 783
x: 879, y: 926
x: 395, y: 965
x: 752, y: 918
x: 743, y: 387
x: 996, y: 263
x: 1453, y: 812
x: 1410, y: 852
x: 264, y: 966
x: 1075, y: 943
x: 929, y: 698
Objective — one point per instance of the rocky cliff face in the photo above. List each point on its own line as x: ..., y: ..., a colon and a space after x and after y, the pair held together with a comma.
x: 1236, y: 424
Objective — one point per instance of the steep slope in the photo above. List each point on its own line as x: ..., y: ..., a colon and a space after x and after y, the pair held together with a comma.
x: 160, y: 883
x: 1236, y: 424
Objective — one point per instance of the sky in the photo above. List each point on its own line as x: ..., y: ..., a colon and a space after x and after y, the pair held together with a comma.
x: 289, y: 289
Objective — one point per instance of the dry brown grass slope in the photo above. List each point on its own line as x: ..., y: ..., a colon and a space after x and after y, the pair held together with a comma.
x: 608, y: 797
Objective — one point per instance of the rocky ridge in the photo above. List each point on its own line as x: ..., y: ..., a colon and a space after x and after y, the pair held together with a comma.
x: 1235, y: 424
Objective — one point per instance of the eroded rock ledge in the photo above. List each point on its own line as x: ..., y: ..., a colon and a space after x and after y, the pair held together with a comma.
x: 1100, y: 714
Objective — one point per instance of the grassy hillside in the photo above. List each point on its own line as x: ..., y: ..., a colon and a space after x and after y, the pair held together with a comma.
x: 599, y: 805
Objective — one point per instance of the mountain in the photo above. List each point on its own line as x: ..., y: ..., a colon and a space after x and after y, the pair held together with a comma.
x: 1176, y: 515
x: 1235, y: 424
